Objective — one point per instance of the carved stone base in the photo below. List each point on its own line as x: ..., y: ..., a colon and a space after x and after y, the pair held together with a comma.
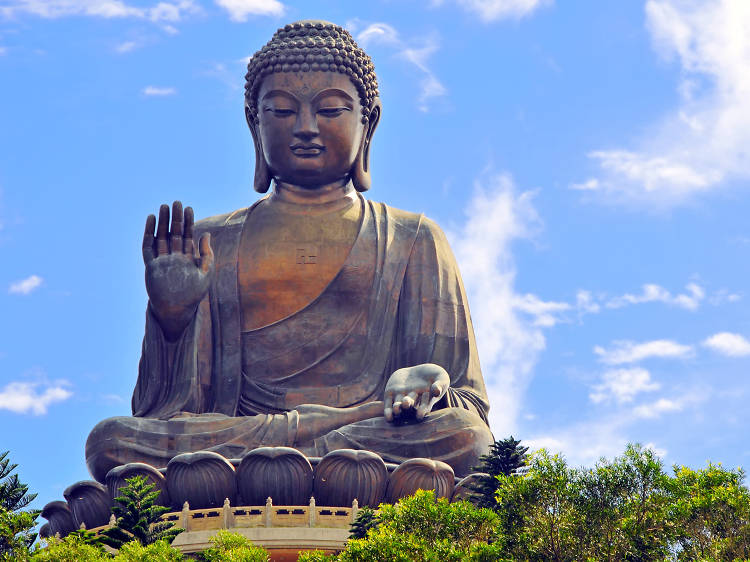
x: 205, y: 486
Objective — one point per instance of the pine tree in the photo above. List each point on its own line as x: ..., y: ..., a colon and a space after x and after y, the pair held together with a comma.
x: 13, y: 494
x: 505, y: 457
x: 15, y: 525
x: 137, y: 518
x: 366, y: 520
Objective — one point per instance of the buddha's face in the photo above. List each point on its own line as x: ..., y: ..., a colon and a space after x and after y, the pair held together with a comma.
x: 310, y: 126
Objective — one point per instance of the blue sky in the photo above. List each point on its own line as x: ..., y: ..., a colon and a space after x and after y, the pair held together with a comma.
x: 588, y: 160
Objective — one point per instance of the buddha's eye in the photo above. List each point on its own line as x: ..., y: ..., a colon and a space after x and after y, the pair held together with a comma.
x: 332, y: 111
x: 279, y: 111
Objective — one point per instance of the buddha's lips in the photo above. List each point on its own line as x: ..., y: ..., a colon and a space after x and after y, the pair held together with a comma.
x: 307, y: 151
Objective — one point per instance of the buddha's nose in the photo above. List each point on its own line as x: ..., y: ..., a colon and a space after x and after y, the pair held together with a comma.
x: 306, y: 124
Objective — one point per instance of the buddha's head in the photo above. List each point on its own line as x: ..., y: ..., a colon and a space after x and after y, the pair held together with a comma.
x: 311, y: 101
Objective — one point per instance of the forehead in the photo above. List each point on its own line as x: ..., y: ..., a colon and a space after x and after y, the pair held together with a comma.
x: 307, y: 84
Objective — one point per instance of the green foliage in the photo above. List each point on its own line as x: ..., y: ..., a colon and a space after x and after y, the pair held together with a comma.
x: 73, y: 548
x: 159, y: 551
x: 233, y: 547
x: 366, y: 519
x: 312, y: 556
x: 137, y: 517
x: 422, y: 528
x: 13, y: 494
x: 711, y: 513
x: 504, y: 458
x: 16, y: 535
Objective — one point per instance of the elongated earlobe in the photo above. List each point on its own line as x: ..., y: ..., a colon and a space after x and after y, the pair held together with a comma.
x: 262, y: 178
x: 361, y: 177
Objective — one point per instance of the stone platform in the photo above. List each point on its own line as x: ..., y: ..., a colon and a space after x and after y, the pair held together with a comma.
x: 276, y: 496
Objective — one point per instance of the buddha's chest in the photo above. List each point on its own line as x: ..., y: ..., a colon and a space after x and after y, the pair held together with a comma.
x: 287, y: 260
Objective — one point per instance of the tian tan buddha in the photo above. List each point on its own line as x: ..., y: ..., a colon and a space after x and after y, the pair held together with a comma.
x: 314, y: 318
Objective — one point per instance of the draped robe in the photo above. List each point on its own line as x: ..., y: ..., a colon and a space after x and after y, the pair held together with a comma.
x: 398, y: 301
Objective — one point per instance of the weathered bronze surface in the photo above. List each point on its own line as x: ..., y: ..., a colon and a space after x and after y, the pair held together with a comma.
x: 281, y: 473
x: 314, y: 319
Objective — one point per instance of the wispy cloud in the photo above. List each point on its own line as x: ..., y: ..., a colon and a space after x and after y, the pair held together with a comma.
x: 622, y: 385
x: 650, y: 292
x: 658, y: 407
x: 726, y: 343
x: 624, y: 352
x: 126, y: 47
x: 494, y: 10
x: 25, y: 286
x: 703, y: 143
x: 3, y: 51
x: 28, y: 397
x: 158, y: 91
x: 508, y: 328
x: 241, y: 10
x: 416, y: 53
x: 160, y: 12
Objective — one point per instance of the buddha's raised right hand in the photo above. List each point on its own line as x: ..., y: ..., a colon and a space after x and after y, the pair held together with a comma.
x: 177, y: 277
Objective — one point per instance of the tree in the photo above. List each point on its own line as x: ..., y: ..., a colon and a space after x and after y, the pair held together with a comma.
x: 16, y: 534
x: 137, y: 518
x: 420, y: 527
x: 159, y: 551
x: 16, y: 526
x: 73, y: 548
x: 710, y: 509
x: 505, y: 457
x: 233, y: 547
x: 366, y: 519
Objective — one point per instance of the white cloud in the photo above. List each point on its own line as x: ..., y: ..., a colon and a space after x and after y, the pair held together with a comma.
x: 657, y: 408
x: 650, y: 292
x: 25, y: 286
x: 3, y: 51
x: 592, y: 184
x: 380, y: 33
x: 703, y: 143
x: 726, y: 343
x: 157, y: 91
x: 241, y: 10
x: 585, y: 303
x: 623, y: 385
x: 543, y: 313
x: 23, y: 397
x: 51, y: 9
x: 126, y: 47
x: 658, y: 451
x: 630, y: 352
x: 493, y: 10
x: 508, y: 330
x: 584, y: 443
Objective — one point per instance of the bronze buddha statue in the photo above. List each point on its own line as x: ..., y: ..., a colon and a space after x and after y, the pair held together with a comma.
x: 315, y: 318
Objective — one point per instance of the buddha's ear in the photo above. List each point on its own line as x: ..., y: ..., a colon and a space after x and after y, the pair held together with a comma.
x: 262, y: 179
x: 361, y: 177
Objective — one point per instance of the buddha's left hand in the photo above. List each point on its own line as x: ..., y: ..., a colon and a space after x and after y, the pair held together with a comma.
x: 413, y: 391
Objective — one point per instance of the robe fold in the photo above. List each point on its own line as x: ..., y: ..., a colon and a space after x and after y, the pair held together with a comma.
x: 398, y: 301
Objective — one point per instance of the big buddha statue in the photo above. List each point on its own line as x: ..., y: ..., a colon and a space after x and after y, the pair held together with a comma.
x: 314, y: 318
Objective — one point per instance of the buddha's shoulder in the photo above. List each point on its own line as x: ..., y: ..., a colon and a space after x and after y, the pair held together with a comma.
x: 423, y: 227
x: 217, y: 223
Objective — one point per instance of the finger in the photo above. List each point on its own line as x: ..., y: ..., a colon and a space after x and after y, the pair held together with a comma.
x: 175, y: 231
x: 388, y: 407
x: 436, y: 389
x: 424, y: 404
x: 148, y: 239
x: 207, y: 254
x: 408, y: 402
x: 187, y: 242
x: 397, y: 404
x: 161, y: 231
